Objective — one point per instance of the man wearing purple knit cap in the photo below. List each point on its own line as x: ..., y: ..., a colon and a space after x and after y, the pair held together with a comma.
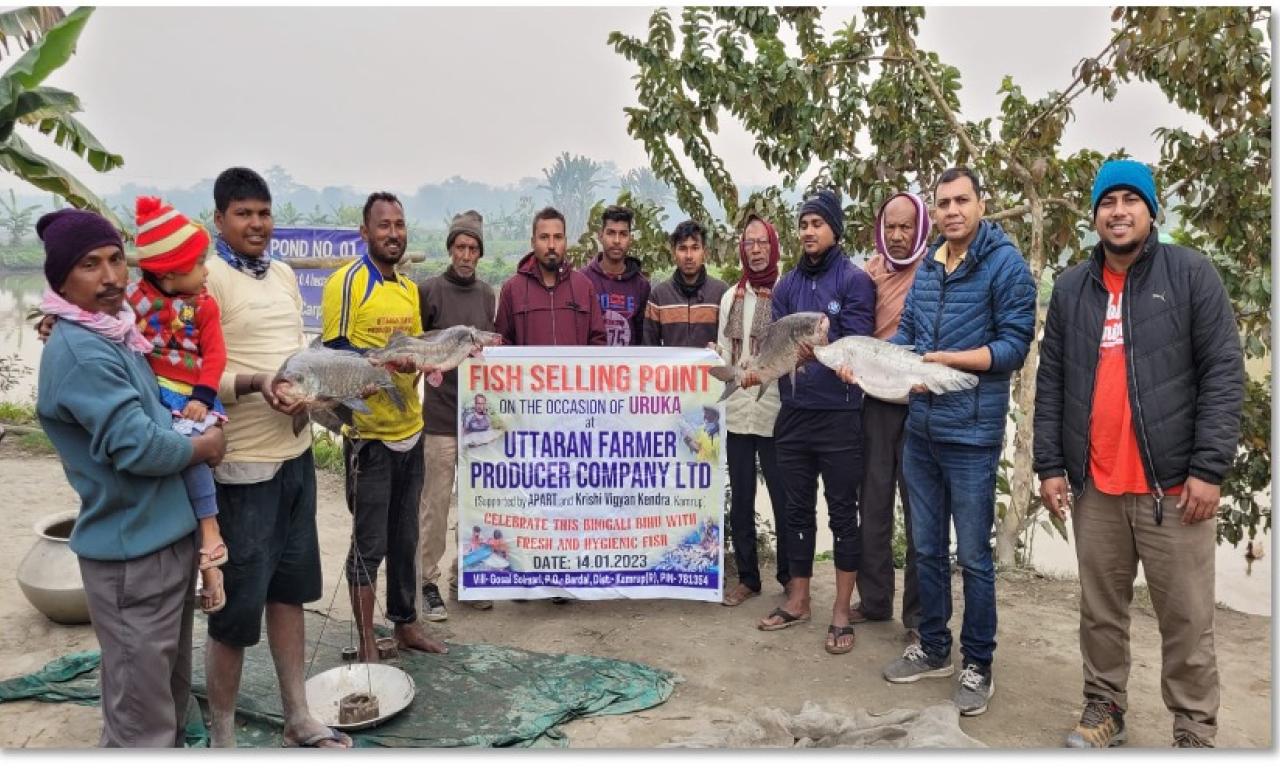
x: 134, y: 535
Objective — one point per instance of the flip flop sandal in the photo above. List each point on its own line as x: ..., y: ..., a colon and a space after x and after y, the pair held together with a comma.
x: 834, y: 634
x: 212, y: 558
x: 788, y: 620
x: 218, y: 593
x: 315, y: 739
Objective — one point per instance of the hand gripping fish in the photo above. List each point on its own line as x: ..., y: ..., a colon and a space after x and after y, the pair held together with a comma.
x: 443, y: 350
x: 779, y: 351
x: 333, y: 383
x: 888, y: 372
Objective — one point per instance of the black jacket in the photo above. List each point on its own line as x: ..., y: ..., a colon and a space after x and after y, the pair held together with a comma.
x: 1183, y: 358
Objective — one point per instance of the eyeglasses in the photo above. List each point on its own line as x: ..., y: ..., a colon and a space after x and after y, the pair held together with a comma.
x: 748, y: 244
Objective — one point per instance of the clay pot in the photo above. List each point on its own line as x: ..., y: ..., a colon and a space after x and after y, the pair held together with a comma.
x: 50, y: 573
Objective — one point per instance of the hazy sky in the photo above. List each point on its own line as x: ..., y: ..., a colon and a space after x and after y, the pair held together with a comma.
x: 398, y: 97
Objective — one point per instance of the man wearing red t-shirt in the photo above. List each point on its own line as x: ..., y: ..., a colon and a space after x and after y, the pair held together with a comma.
x: 1138, y: 399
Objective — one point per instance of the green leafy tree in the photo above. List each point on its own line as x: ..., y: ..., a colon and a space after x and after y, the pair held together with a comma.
x: 318, y: 218
x: 281, y: 182
x: 26, y: 104
x: 648, y: 235
x: 572, y: 182
x: 16, y: 218
x: 514, y: 224
x: 643, y: 185
x: 347, y: 216
x: 868, y: 112
x: 22, y: 27
x: 286, y: 215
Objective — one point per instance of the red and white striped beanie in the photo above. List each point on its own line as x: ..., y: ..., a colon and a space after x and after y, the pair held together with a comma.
x: 167, y: 241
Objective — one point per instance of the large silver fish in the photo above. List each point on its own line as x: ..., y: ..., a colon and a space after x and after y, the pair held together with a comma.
x: 888, y: 372
x: 444, y: 349
x: 779, y: 351
x: 333, y: 384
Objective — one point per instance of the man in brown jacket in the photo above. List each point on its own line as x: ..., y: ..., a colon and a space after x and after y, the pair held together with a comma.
x: 455, y: 297
x: 684, y: 311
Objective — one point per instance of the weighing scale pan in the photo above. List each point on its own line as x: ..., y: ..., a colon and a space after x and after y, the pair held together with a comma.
x: 393, y: 687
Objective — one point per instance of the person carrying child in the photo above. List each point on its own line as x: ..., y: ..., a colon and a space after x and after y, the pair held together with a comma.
x: 182, y: 322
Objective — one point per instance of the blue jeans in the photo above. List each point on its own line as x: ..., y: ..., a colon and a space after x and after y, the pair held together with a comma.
x: 949, y: 483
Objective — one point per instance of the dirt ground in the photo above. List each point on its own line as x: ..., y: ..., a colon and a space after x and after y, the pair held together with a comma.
x: 726, y: 666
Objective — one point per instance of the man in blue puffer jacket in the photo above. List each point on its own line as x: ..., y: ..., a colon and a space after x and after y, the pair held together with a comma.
x: 972, y: 307
x: 819, y: 427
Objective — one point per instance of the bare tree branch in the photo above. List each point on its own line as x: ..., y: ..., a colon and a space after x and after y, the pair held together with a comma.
x: 913, y: 53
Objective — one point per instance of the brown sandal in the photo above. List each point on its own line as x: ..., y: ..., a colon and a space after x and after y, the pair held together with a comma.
x: 738, y: 595
x: 832, y: 643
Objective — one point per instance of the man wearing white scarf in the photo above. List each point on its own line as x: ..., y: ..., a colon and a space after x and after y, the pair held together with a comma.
x: 902, y: 237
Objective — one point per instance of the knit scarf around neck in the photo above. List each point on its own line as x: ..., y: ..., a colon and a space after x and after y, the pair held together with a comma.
x: 809, y: 269
x: 121, y: 328
x: 690, y: 291
x: 255, y: 268
x: 761, y: 283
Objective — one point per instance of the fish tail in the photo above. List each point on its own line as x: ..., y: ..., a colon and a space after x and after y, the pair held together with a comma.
x: 729, y: 375
x: 730, y: 387
x: 940, y: 379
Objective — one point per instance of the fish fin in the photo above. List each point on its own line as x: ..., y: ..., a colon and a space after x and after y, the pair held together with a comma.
x: 430, y: 335
x: 764, y: 387
x: 725, y: 373
x: 300, y: 421
x: 356, y: 405
x: 396, y: 335
x: 316, y: 343
x: 393, y: 392
x: 333, y: 418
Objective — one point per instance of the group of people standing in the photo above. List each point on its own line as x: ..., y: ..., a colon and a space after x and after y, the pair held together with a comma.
x: 1139, y: 393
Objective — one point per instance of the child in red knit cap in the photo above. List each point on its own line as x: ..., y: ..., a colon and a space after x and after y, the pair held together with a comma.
x: 183, y: 324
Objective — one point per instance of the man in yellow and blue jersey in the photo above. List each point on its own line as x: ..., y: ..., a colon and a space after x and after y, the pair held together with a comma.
x: 364, y: 303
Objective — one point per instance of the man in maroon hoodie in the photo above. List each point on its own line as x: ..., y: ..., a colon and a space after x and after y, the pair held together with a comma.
x: 621, y: 289
x: 546, y: 302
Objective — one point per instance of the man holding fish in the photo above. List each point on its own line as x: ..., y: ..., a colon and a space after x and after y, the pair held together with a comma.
x: 971, y: 307
x: 365, y: 305
x: 819, y: 427
x: 901, y: 238
x: 266, y: 485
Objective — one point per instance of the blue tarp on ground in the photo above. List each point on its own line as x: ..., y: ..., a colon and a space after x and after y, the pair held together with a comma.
x: 474, y: 696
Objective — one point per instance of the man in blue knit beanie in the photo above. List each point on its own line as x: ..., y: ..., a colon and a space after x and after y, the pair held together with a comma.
x: 1138, y: 399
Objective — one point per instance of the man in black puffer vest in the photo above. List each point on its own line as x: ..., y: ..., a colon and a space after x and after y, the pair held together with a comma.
x: 1138, y: 400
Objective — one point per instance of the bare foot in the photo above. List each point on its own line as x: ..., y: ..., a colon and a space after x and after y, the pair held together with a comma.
x: 410, y: 637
